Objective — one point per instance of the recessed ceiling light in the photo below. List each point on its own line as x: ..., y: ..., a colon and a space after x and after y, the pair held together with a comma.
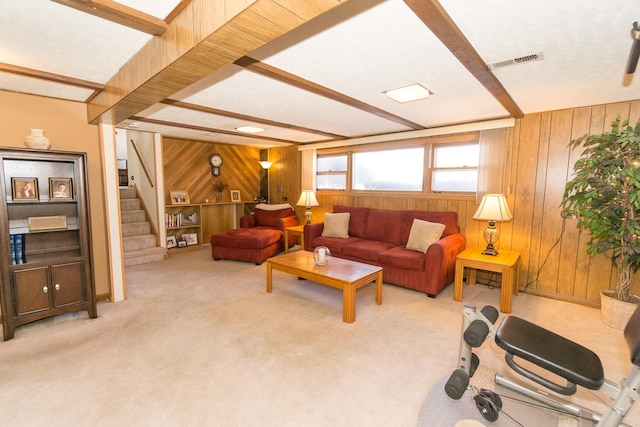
x: 133, y: 125
x: 408, y: 93
x: 249, y: 129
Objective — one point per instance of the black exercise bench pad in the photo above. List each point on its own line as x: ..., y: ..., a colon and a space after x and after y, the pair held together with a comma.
x: 571, y: 361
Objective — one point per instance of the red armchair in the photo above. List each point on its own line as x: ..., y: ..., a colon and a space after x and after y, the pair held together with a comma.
x: 260, y: 236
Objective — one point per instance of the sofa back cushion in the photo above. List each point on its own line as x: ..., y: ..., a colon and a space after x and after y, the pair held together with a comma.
x: 385, y: 226
x: 357, y: 219
x: 448, y: 218
x: 271, y: 218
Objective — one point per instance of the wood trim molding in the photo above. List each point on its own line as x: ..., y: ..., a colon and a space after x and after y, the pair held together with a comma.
x: 207, y: 129
x: 120, y: 14
x: 209, y: 110
x: 293, y: 80
x: 58, y: 78
x: 439, y: 22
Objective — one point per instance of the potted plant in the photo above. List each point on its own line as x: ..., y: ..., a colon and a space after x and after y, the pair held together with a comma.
x: 604, y: 196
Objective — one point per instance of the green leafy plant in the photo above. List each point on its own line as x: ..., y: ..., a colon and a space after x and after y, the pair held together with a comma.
x: 604, y: 196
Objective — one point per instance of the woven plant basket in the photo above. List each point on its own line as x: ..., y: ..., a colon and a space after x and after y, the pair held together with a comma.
x: 615, y: 313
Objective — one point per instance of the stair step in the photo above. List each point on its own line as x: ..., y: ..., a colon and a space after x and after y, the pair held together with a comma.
x: 127, y: 193
x: 135, y: 228
x: 144, y: 256
x: 129, y: 204
x: 132, y: 216
x: 132, y: 243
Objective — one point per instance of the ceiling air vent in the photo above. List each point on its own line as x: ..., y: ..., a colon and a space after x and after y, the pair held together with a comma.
x: 516, y: 61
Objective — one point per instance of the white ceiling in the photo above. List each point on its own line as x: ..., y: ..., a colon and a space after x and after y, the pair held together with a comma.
x: 359, y: 49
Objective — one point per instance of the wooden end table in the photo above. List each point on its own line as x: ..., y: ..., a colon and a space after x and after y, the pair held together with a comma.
x: 297, y: 230
x: 506, y: 262
x: 338, y: 273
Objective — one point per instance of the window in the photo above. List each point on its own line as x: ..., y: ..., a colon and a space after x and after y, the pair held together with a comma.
x: 455, y: 167
x: 332, y: 172
x: 389, y: 170
x: 426, y: 166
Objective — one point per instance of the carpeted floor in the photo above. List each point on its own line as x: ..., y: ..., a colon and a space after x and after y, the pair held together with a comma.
x: 200, y: 342
x: 440, y: 410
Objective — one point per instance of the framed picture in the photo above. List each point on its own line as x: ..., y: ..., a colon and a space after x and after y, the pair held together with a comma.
x: 171, y: 242
x: 24, y: 189
x: 235, y: 196
x: 60, y: 189
x: 179, y: 197
x: 182, y: 243
x: 190, y: 238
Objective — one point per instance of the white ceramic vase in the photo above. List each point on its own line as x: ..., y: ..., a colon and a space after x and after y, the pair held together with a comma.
x: 36, y: 139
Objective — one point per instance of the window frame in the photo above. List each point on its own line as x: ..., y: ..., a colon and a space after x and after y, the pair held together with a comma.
x: 429, y: 144
x: 433, y: 168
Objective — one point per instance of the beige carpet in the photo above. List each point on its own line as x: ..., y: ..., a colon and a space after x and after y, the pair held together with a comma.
x: 200, y: 342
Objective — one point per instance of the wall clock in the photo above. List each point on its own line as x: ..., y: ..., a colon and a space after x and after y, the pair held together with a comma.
x: 216, y: 162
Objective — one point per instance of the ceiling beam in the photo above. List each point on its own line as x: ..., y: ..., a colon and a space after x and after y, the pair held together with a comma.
x: 209, y: 110
x: 219, y: 32
x: 120, y: 14
x: 43, y: 75
x: 207, y: 129
x: 297, y: 81
x: 440, y: 23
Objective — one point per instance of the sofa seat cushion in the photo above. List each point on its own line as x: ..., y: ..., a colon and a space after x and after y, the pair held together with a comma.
x: 248, y: 238
x: 367, y: 250
x: 336, y: 246
x: 401, y: 257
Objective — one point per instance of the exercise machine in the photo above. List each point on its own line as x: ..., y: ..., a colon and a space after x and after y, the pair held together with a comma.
x: 566, y: 360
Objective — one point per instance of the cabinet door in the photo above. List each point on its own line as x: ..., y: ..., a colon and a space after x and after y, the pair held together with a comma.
x: 32, y: 290
x: 67, y: 284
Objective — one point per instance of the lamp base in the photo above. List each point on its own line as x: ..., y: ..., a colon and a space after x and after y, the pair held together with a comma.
x: 308, y: 215
x: 490, y: 250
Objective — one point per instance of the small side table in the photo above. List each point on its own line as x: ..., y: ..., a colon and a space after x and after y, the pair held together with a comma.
x: 506, y: 262
x: 297, y: 230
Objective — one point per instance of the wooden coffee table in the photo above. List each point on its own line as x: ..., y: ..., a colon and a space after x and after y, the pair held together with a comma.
x: 338, y: 273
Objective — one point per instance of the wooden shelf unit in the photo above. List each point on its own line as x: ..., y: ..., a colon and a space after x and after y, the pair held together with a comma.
x: 211, y: 218
x: 54, y: 275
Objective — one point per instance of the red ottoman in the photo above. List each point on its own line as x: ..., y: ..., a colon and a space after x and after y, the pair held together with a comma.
x: 247, y: 244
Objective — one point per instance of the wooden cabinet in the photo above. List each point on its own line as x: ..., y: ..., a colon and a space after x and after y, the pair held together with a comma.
x: 46, y: 260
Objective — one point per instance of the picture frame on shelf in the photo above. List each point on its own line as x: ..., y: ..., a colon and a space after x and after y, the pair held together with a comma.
x: 24, y: 189
x: 60, y: 189
x: 190, y: 238
x: 179, y: 197
x: 182, y: 243
x: 171, y: 242
x: 235, y: 196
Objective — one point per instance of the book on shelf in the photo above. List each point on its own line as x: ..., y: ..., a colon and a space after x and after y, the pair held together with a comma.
x: 178, y: 220
x: 17, y: 249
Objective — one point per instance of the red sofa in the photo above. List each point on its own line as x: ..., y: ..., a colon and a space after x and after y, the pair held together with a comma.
x: 260, y: 236
x: 379, y: 237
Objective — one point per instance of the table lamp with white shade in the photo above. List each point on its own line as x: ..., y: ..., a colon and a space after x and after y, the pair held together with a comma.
x: 493, y: 207
x: 308, y: 200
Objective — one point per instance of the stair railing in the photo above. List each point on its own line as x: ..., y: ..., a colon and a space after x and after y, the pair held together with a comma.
x: 142, y: 163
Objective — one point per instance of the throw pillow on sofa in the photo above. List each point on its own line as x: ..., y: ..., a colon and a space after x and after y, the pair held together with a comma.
x: 423, y: 234
x: 336, y: 225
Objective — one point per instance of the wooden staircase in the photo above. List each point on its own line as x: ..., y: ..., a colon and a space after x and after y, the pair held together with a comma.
x: 138, y: 241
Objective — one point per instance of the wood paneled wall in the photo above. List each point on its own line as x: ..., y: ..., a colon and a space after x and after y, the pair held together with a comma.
x: 538, y: 165
x: 284, y: 176
x: 186, y: 167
